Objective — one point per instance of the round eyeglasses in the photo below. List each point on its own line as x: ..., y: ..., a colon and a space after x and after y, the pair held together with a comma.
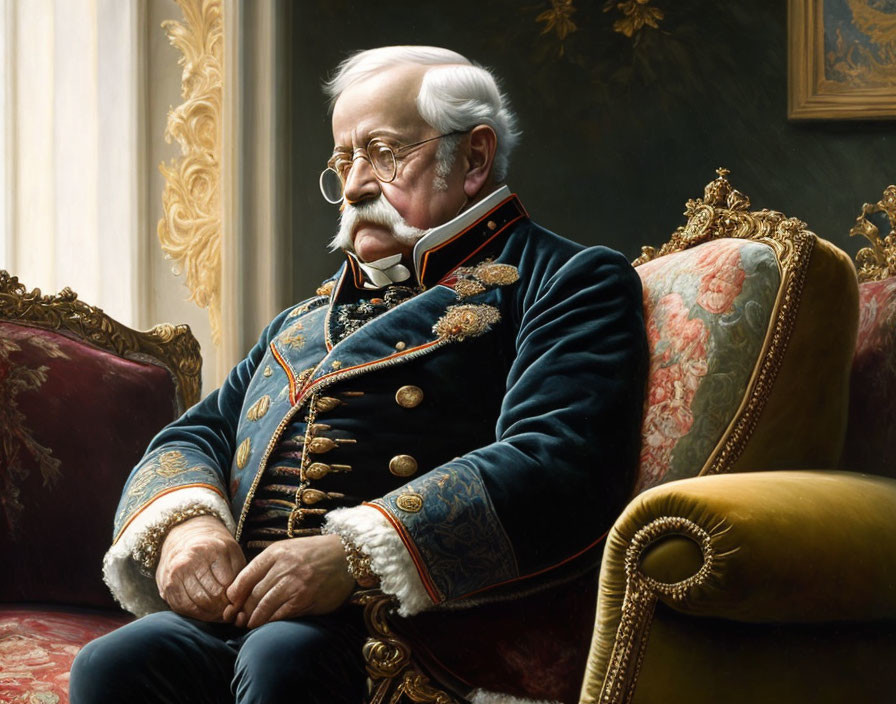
x: 383, y: 160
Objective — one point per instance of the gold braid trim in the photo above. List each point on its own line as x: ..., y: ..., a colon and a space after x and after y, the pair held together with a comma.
x: 359, y: 565
x: 638, y: 606
x: 147, y: 551
x: 772, y: 358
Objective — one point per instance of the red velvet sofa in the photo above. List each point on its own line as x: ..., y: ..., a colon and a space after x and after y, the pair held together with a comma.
x: 80, y: 398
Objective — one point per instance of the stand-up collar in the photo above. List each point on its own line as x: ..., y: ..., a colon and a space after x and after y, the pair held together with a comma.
x: 450, y: 245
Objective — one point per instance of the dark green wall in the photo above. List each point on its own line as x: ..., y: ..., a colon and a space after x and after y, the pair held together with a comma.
x: 617, y: 136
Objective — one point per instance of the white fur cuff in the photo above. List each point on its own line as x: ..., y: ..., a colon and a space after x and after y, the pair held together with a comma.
x: 134, y: 590
x: 370, y: 532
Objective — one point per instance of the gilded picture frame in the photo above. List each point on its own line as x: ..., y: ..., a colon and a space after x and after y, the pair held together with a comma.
x: 841, y: 59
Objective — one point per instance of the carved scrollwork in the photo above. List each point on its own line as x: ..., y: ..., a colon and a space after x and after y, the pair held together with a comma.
x: 394, y: 677
x: 724, y: 212
x: 879, y: 260
x: 174, y: 347
x: 190, y: 231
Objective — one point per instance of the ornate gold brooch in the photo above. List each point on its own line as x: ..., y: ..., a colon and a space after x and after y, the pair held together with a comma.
x: 470, y: 320
x: 473, y: 280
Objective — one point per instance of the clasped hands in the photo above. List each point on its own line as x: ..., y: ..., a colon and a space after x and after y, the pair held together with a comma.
x: 203, y: 574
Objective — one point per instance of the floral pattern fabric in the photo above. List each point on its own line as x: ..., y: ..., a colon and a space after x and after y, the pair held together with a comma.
x: 37, y: 648
x: 707, y: 313
x: 871, y: 432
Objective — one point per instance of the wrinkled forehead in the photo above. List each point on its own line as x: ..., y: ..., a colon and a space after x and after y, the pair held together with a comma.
x: 382, y: 104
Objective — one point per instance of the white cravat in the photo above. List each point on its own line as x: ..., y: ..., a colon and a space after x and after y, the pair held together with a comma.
x: 385, y: 271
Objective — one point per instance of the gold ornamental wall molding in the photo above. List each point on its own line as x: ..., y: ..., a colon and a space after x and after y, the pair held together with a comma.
x: 190, y: 230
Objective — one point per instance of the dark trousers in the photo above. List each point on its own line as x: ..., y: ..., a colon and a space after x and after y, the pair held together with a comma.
x: 167, y: 658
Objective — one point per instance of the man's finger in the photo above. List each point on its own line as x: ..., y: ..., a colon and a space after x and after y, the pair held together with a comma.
x: 287, y: 610
x: 210, y: 583
x: 275, y: 598
x: 246, y: 580
x: 258, y: 593
x: 197, y: 593
x: 237, y: 559
x: 222, y: 571
x: 180, y: 602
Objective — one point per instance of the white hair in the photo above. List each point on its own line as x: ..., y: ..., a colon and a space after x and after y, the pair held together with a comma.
x: 455, y: 95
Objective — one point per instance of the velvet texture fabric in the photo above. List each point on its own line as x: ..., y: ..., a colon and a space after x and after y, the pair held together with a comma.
x: 798, y: 605
x: 74, y: 420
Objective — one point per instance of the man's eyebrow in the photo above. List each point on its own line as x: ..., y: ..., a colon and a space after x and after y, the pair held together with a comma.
x: 379, y: 133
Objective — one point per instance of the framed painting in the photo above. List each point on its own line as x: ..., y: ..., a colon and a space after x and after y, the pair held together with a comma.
x: 841, y: 59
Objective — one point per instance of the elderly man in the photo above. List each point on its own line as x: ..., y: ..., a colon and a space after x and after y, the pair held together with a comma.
x: 454, y: 417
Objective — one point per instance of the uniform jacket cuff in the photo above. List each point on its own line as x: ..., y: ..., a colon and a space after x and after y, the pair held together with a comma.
x: 372, y: 534
x: 131, y: 586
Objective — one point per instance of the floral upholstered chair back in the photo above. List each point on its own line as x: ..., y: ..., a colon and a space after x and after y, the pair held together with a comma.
x: 751, y: 324
x: 871, y: 433
x: 80, y: 398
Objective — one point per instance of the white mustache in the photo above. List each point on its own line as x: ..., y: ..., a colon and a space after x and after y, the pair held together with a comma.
x: 377, y: 212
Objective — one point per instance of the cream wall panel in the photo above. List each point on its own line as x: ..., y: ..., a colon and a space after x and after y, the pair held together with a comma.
x: 76, y: 154
x: 7, y: 143
x: 122, y: 169
x: 34, y: 221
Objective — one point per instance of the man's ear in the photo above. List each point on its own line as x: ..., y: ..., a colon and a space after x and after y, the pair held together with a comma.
x: 480, y: 159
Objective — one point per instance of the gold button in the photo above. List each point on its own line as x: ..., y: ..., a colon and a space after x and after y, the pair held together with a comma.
x: 326, y: 403
x: 242, y: 453
x: 336, y: 364
x: 491, y: 225
x: 312, y: 496
x: 268, y: 371
x: 403, y: 465
x: 318, y: 446
x: 317, y: 470
x: 409, y: 396
x: 400, y: 345
x: 259, y: 408
x: 410, y: 503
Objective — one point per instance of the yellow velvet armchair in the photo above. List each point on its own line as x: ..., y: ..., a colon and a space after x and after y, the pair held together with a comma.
x: 772, y: 586
x: 721, y: 581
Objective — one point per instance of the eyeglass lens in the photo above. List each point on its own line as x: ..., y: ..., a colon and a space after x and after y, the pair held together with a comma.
x: 381, y: 159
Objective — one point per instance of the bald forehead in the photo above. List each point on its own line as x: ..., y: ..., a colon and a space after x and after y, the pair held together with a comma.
x: 386, y: 100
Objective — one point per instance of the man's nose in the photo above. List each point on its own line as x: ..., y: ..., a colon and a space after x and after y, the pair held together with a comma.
x: 360, y: 181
